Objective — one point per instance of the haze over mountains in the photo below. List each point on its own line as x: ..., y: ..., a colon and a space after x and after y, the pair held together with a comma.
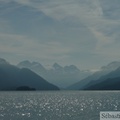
x: 58, y: 75
x: 95, y: 76
x: 110, y: 81
x: 12, y: 78
x: 26, y: 75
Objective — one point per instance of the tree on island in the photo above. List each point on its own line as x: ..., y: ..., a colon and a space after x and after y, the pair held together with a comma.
x: 25, y: 88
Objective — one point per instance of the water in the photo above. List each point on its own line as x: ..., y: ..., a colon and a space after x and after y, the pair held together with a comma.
x: 57, y: 105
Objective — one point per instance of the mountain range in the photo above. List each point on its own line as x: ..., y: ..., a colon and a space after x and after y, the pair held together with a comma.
x: 105, y: 70
x: 12, y: 78
x: 58, y: 75
x: 110, y: 81
x: 26, y: 76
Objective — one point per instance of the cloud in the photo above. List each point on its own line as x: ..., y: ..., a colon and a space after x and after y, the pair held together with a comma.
x: 62, y: 9
x: 111, y: 9
x: 60, y: 30
x: 102, y: 40
x: 5, y: 26
x: 23, y: 45
x: 88, y: 13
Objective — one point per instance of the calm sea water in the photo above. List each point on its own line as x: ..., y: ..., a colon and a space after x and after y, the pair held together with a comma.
x: 57, y: 105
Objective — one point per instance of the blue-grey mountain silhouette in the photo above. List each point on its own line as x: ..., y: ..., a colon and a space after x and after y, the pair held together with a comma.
x: 103, y: 71
x: 12, y: 77
x: 58, y: 75
x: 110, y: 81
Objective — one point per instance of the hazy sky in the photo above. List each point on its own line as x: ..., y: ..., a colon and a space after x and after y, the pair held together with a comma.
x: 85, y: 33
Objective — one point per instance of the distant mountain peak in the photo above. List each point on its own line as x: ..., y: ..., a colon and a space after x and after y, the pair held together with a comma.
x: 25, y: 63
x: 56, y: 66
x: 36, y: 64
x: 3, y: 61
x: 72, y: 67
x: 114, y: 63
x: 111, y: 66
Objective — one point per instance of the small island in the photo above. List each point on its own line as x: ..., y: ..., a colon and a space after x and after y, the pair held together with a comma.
x: 25, y: 88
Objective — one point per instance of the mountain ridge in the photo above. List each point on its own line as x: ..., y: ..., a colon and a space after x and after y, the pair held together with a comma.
x: 12, y: 77
x: 104, y: 71
x: 58, y: 75
x: 104, y: 79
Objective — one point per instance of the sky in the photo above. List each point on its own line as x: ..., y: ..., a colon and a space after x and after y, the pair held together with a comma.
x: 84, y: 33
